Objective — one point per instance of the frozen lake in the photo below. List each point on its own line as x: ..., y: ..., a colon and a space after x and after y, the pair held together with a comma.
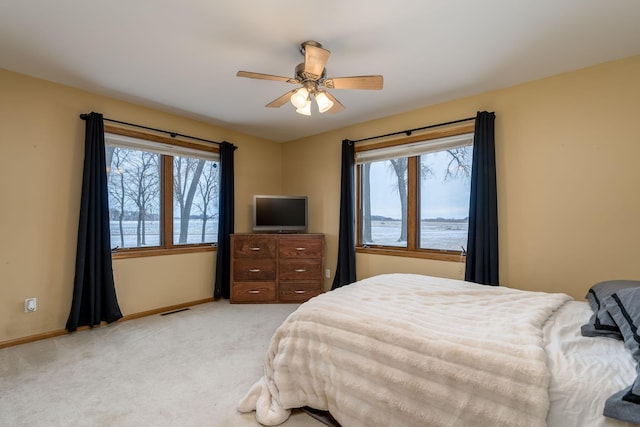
x: 152, y: 232
x: 448, y: 235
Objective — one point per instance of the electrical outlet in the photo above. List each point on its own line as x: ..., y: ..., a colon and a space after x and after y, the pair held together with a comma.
x: 327, y: 273
x: 30, y: 305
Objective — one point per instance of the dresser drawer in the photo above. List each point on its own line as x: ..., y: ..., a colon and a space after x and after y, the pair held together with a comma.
x: 299, y: 269
x: 272, y: 268
x: 254, y: 269
x: 254, y: 247
x: 300, y: 248
x: 253, y: 292
x: 299, y: 291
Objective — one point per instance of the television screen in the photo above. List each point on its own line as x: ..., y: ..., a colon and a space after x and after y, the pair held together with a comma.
x: 280, y: 213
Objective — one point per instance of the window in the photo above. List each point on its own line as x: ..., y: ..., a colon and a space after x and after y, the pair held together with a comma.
x: 413, y: 194
x: 163, y: 193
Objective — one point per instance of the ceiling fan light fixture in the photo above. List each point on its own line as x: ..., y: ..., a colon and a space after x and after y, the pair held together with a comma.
x: 323, y: 101
x: 300, y: 98
x: 305, y: 109
x: 312, y: 76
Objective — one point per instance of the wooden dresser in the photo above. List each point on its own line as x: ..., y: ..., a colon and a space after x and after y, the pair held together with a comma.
x: 276, y: 267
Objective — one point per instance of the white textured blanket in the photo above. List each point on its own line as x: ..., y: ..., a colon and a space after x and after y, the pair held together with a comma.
x: 411, y: 350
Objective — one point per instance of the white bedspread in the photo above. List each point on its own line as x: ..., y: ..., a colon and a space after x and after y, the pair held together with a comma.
x: 411, y: 350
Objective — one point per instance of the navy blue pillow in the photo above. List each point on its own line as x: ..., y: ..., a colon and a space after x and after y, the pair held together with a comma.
x: 624, y: 308
x: 601, y: 324
x: 625, y: 404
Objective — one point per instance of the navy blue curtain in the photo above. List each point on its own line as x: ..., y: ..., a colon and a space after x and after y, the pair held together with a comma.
x: 94, y: 294
x: 222, y: 288
x: 482, y: 244
x: 346, y: 268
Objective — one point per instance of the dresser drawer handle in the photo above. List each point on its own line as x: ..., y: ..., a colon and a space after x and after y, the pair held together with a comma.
x: 301, y: 249
x: 300, y: 270
x: 254, y: 249
x: 254, y: 270
x: 253, y: 292
x: 299, y: 292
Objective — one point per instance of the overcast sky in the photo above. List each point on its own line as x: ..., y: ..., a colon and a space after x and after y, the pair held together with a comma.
x: 448, y: 199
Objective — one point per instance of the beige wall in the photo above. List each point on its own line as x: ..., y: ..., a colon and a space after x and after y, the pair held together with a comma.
x: 41, y: 155
x: 567, y: 151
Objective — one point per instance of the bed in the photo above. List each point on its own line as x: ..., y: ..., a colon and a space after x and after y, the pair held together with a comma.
x: 414, y: 350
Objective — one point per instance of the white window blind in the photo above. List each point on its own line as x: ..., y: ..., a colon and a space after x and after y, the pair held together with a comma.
x: 122, y: 141
x: 414, y: 148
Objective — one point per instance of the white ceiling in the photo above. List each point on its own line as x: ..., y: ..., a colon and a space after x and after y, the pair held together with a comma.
x: 182, y: 56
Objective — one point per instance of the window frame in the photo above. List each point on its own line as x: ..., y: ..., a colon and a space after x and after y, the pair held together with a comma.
x: 166, y: 247
x: 413, y: 199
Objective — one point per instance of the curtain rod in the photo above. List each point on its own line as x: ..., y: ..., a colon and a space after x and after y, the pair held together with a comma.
x: 172, y: 134
x: 408, y: 132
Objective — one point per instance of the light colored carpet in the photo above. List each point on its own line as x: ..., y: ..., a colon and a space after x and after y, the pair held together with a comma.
x: 185, y: 369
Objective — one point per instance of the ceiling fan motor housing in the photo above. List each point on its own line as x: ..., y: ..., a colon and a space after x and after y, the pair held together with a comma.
x: 304, y: 77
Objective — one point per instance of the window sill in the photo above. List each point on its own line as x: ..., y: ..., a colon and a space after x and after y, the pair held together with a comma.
x: 146, y: 252
x: 450, y: 256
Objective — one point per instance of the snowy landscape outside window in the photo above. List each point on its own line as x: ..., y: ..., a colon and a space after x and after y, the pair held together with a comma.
x: 415, y: 196
x: 160, y: 196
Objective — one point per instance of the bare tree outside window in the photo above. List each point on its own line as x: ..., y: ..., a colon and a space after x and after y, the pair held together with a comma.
x: 366, y: 202
x: 116, y: 159
x: 443, y: 181
x: 459, y: 164
x: 208, y: 192
x: 133, y: 180
x: 143, y: 188
x: 186, y: 176
x: 399, y: 167
x: 444, y: 199
x: 145, y: 211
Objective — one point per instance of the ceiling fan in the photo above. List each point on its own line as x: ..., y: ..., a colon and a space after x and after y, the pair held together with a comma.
x: 311, y: 74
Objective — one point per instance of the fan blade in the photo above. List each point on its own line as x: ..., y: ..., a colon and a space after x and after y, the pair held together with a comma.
x: 357, y: 82
x: 337, y: 106
x: 282, y: 100
x: 315, y: 58
x: 266, y: 77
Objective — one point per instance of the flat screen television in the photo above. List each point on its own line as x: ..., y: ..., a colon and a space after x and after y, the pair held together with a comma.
x: 280, y: 214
